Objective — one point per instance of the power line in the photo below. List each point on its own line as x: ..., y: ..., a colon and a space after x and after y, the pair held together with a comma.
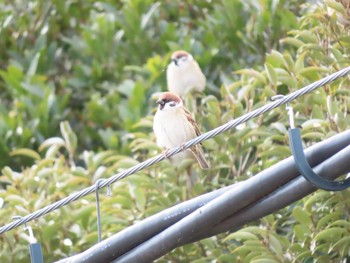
x: 160, y: 157
x: 263, y: 185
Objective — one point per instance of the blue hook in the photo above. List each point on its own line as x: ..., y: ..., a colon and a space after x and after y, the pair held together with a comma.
x: 301, y: 162
x: 36, y: 255
x: 305, y: 169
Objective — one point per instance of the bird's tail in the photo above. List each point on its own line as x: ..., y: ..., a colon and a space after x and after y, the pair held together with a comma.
x: 199, y: 154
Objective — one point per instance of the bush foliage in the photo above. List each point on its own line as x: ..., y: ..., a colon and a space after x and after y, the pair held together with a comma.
x: 77, y: 80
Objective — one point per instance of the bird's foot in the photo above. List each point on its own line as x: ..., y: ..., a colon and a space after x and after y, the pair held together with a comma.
x: 165, y: 153
x: 182, y: 146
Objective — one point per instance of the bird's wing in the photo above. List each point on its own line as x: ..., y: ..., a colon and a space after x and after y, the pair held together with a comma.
x: 192, y: 121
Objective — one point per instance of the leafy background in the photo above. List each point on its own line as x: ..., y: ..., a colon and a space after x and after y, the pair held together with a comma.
x: 76, y: 82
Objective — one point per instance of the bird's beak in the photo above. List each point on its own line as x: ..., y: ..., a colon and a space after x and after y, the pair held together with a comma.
x: 160, y: 102
x: 175, y: 61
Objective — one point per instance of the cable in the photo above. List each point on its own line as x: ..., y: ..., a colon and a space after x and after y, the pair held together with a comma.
x: 229, y: 204
x: 335, y: 166
x: 267, y: 181
x: 177, y: 149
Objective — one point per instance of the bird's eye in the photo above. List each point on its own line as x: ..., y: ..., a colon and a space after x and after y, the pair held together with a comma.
x: 172, y: 104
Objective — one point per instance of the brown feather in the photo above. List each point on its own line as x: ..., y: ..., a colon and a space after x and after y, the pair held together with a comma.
x: 199, y: 154
x: 169, y: 96
x: 192, y: 121
x: 197, y: 149
x: 179, y: 53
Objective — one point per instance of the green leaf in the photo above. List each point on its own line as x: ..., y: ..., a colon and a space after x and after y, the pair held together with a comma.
x: 313, y: 135
x: 251, y: 255
x: 307, y: 36
x: 137, y: 98
x: 292, y: 41
x: 332, y: 106
x: 317, y: 112
x: 13, y: 78
x: 275, y: 58
x: 312, y: 124
x: 7, y: 171
x: 322, y: 222
x: 77, y: 180
x: 251, y: 245
x: 255, y: 230
x: 52, y: 141
x: 331, y: 234
x: 126, y: 163
x: 33, y: 65
x: 343, y: 244
x: 26, y: 152
x: 69, y: 136
x: 302, y: 216
x: 313, y: 72
x: 314, y: 199
x: 271, y: 73
x: 143, y: 144
x: 139, y: 196
x: 241, y: 235
x: 16, y: 200
x: 225, y: 258
x: 302, y: 232
x: 264, y: 260
x: 275, y: 245
x: 50, y: 230
x: 299, y: 64
x: 336, y: 6
x: 52, y: 151
x: 337, y: 54
x: 305, y: 257
x: 289, y: 63
x: 253, y: 73
x: 341, y: 223
x: 146, y: 17
x: 84, y: 214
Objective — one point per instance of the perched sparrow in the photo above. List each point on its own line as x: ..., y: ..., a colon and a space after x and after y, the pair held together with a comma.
x: 184, y: 74
x: 174, y: 125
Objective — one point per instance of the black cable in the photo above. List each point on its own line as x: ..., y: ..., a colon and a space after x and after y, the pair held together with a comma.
x: 295, y: 190
x: 277, y: 175
x: 134, y: 235
x: 199, y: 224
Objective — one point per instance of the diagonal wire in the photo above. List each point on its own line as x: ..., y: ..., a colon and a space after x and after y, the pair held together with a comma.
x: 188, y: 144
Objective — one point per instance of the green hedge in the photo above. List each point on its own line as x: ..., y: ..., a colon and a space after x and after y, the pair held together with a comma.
x: 77, y: 79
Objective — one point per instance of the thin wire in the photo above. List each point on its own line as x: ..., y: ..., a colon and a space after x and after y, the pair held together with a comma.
x: 97, y: 185
x: 177, y: 149
x: 32, y: 239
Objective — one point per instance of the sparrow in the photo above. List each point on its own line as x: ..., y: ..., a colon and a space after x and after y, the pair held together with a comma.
x: 173, y: 125
x: 184, y: 74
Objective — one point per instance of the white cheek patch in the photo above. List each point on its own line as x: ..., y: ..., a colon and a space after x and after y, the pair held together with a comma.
x: 172, y: 105
x: 182, y: 62
x: 167, y: 106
